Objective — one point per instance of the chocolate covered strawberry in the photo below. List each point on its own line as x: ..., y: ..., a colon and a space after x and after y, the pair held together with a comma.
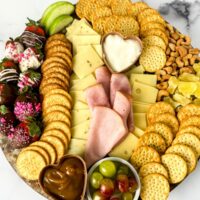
x: 13, y: 49
x: 27, y: 106
x: 28, y: 79
x: 7, y: 120
x: 34, y: 35
x: 8, y: 71
x: 7, y: 94
x: 24, y: 134
x: 31, y: 58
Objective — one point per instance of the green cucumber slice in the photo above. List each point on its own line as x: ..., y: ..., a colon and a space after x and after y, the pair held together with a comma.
x: 63, y: 9
x: 60, y: 23
x: 49, y: 9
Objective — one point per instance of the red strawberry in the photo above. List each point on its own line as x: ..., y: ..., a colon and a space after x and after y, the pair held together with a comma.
x: 34, y: 35
x: 7, y: 120
x: 35, y: 27
x: 6, y: 63
x: 24, y: 134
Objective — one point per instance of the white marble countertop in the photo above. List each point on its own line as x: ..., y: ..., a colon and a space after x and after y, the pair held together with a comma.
x: 185, y: 15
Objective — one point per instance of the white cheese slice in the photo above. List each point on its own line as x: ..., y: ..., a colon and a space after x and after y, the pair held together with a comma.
x: 77, y: 147
x: 81, y: 130
x: 138, y: 132
x: 140, y: 120
x: 139, y: 107
x: 78, y: 40
x: 82, y: 84
x: 125, y: 148
x: 78, y: 96
x: 148, y: 79
x: 86, y: 61
x: 79, y: 105
x: 144, y: 93
x: 135, y: 70
x: 79, y: 116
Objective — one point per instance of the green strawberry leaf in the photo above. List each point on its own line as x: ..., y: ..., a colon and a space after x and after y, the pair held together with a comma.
x: 3, y: 109
x: 34, y: 129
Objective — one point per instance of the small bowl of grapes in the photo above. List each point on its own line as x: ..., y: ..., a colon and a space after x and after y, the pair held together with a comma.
x: 113, y: 179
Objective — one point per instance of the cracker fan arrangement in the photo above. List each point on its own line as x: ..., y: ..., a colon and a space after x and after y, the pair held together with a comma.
x: 101, y: 79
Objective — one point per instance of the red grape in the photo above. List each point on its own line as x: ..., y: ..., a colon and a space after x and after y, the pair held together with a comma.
x: 107, y: 187
x: 122, y: 182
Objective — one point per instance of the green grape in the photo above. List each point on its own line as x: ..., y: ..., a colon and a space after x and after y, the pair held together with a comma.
x: 127, y: 196
x: 107, y: 169
x: 123, y: 169
x: 95, y: 180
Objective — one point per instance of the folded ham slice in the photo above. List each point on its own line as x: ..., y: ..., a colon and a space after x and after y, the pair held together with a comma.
x: 103, y: 76
x: 119, y: 82
x: 96, y: 96
x: 107, y: 129
x: 122, y: 105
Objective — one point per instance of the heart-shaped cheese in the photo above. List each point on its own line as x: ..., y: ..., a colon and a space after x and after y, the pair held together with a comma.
x: 67, y: 180
x: 120, y: 53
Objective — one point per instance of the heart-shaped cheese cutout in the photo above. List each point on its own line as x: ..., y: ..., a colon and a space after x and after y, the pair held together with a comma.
x: 120, y: 53
x: 66, y: 180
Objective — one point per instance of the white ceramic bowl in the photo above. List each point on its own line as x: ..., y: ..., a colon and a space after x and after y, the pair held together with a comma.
x: 133, y: 170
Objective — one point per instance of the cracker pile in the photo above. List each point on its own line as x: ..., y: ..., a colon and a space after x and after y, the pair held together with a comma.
x: 111, y: 15
x: 56, y: 107
x: 167, y: 152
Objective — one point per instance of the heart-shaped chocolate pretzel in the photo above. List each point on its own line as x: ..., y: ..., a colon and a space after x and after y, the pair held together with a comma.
x: 120, y: 53
x: 66, y: 180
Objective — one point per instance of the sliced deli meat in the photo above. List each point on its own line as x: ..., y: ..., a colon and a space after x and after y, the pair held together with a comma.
x: 103, y: 77
x: 96, y: 96
x: 107, y: 129
x: 119, y: 82
x: 122, y: 106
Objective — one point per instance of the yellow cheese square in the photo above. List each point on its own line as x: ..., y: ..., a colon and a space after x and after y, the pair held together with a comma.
x: 140, y: 120
x: 77, y: 147
x: 80, y: 131
x: 80, y: 27
x: 73, y: 77
x: 84, y: 83
x: 148, y: 79
x: 98, y: 49
x: 139, y: 107
x: 125, y: 148
x: 144, y: 93
x: 138, y: 132
x: 135, y: 70
x: 79, y: 40
x: 78, y: 96
x: 79, y: 116
x: 86, y: 61
x: 79, y: 105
